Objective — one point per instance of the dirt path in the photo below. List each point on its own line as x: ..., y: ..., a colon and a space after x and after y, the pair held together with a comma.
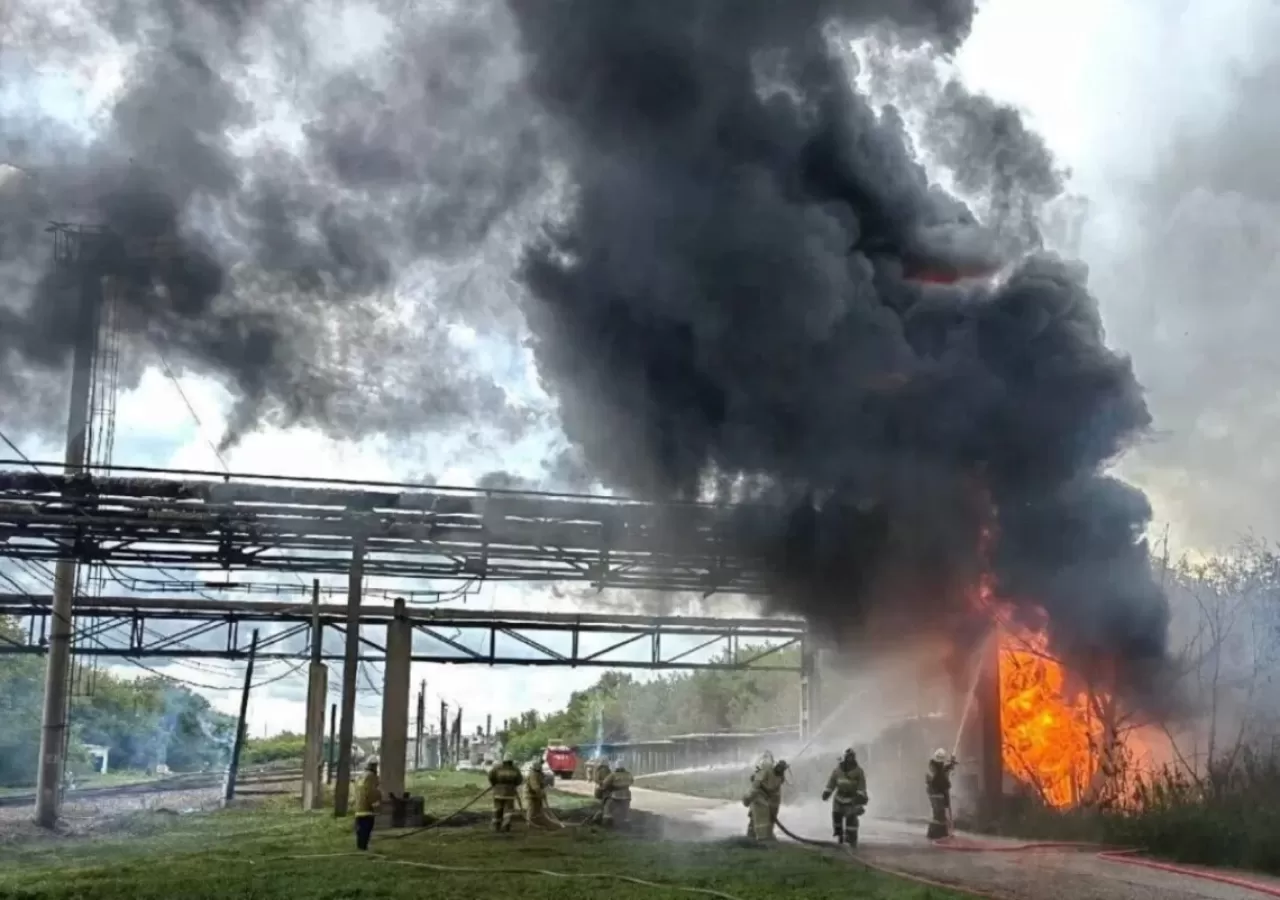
x: 1031, y: 875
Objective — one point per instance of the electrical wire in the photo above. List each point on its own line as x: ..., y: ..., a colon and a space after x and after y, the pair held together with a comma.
x: 164, y: 363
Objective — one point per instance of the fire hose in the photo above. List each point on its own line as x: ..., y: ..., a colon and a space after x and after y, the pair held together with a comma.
x: 1126, y: 856
x: 1106, y: 854
x: 548, y: 811
x: 505, y: 870
x: 438, y: 822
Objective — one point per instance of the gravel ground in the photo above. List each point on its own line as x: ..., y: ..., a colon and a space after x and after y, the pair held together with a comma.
x: 1031, y: 875
x: 99, y: 815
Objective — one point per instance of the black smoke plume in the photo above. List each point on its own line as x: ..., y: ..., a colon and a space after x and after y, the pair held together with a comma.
x: 733, y: 295
x: 727, y: 307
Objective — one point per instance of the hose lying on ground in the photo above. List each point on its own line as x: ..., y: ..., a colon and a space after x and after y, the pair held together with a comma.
x: 550, y: 813
x: 438, y: 822
x: 1110, y: 854
x: 503, y: 870
x: 886, y: 870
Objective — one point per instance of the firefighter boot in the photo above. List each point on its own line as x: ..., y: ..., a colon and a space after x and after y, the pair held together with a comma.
x: 851, y: 832
x: 837, y: 826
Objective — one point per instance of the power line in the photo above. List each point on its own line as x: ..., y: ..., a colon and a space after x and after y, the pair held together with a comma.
x: 134, y: 661
x: 200, y: 429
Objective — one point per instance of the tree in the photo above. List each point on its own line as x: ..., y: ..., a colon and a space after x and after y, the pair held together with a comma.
x: 21, y: 687
x: 141, y: 721
x: 629, y: 710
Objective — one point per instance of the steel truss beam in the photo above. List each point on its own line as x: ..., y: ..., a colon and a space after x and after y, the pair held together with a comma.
x: 442, y: 533
x: 139, y: 627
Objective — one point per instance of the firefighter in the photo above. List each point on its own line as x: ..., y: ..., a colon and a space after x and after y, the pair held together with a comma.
x: 615, y: 795
x: 505, y: 779
x: 937, y: 782
x: 764, y: 762
x: 601, y: 772
x: 765, y: 798
x: 848, y: 784
x: 535, y: 797
x: 368, y: 798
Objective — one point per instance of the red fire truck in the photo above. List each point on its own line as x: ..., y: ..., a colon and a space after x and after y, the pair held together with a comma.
x: 561, y: 760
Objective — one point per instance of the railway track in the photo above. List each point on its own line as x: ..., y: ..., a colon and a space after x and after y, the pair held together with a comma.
x: 189, y: 782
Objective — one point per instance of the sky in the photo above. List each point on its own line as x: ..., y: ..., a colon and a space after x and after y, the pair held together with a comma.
x: 1159, y: 110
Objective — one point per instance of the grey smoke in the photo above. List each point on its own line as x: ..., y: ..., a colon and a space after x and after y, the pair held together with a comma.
x: 1189, y: 272
x: 289, y: 265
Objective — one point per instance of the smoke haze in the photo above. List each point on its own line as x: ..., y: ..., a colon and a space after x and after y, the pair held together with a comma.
x: 731, y: 295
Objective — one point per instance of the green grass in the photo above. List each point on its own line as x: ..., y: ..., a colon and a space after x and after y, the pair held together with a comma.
x: 253, y: 853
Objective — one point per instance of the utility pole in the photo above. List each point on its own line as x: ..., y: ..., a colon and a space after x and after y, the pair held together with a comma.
x: 242, y: 725
x: 333, y: 742
x: 317, y: 690
x: 350, y: 666
x: 421, y: 726
x: 444, y: 734
x: 53, y: 726
x: 457, y: 737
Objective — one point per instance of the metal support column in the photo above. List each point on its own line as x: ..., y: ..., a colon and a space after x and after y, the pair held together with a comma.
x: 991, y: 734
x: 810, y: 690
x: 53, y: 728
x: 350, y: 667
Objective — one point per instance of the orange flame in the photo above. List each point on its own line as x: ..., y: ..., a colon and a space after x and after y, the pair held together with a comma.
x: 1050, y: 733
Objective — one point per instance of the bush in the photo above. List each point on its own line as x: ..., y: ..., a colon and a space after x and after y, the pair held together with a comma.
x: 1230, y: 818
x: 281, y: 747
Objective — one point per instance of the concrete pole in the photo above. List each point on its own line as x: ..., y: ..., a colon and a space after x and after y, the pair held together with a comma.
x: 421, y: 727
x: 810, y: 691
x: 444, y: 734
x: 395, y: 702
x: 317, y: 693
x: 350, y: 666
x: 53, y: 728
x: 333, y: 742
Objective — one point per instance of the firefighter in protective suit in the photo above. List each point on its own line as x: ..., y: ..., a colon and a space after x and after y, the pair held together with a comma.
x: 765, y: 798
x: 535, y: 797
x: 764, y: 762
x: 937, y: 781
x: 505, y: 779
x: 614, y: 793
x: 847, y: 791
x: 368, y: 799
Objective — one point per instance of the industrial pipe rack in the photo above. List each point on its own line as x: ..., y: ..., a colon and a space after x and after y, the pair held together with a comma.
x: 193, y: 628
x: 406, y: 531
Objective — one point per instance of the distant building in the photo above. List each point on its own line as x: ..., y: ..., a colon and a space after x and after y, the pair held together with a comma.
x: 99, y: 756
